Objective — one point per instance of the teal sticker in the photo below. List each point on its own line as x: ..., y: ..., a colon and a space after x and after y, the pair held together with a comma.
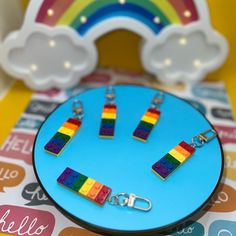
x: 218, y: 94
x: 222, y: 113
x: 41, y: 108
x: 29, y: 123
x: 222, y: 228
x: 35, y: 195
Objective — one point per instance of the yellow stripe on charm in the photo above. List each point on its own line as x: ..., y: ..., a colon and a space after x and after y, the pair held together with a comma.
x: 87, y: 186
x: 67, y: 131
x: 149, y: 120
x: 177, y: 155
x: 108, y: 115
x: 183, y: 151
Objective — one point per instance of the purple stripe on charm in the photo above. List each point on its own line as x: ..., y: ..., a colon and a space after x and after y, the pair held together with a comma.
x: 106, y: 132
x: 161, y: 170
x: 50, y: 147
x: 65, y: 174
x: 141, y: 134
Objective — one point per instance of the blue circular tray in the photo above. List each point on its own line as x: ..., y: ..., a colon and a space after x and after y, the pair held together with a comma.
x: 124, y: 164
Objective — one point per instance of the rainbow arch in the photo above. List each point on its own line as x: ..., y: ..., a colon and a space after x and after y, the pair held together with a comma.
x: 84, y: 15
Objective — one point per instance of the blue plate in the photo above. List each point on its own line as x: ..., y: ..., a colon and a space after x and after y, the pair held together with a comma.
x: 124, y: 164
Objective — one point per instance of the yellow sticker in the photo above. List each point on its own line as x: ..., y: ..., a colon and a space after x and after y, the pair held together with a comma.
x: 230, y: 165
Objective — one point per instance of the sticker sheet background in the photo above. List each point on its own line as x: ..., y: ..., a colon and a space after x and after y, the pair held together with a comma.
x: 24, y: 208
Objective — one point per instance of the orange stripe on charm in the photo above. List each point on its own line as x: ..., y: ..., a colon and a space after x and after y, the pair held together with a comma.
x: 108, y: 110
x: 182, y: 151
x: 94, y: 190
x: 70, y: 126
x: 153, y: 115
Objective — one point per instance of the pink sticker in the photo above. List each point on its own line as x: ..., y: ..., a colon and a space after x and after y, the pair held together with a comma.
x: 50, y: 93
x: 97, y: 77
x: 25, y: 221
x: 18, y: 146
x: 226, y: 134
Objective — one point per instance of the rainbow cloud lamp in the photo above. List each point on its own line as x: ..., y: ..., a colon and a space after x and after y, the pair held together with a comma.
x: 56, y: 45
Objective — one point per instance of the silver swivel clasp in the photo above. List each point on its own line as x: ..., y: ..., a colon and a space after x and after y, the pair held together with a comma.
x: 110, y: 95
x: 157, y: 100
x: 130, y: 200
x: 78, y: 110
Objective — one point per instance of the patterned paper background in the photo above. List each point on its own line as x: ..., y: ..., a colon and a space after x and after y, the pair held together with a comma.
x: 24, y: 208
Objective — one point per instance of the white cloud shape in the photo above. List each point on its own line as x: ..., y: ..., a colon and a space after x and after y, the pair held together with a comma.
x: 184, y: 53
x: 45, y: 58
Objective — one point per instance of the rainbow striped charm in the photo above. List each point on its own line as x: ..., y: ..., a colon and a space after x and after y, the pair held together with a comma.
x: 58, y: 142
x: 146, y: 124
x: 107, y: 127
x: 85, y: 186
x: 172, y: 160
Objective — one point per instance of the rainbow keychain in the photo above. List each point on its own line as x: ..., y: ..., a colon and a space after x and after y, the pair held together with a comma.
x: 66, y: 132
x: 181, y: 153
x: 107, y: 127
x: 149, y: 119
x: 97, y: 192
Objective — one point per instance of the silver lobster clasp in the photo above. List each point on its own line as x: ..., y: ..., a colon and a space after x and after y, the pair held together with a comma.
x: 204, y: 137
x: 133, y: 200
x: 130, y: 200
x: 208, y: 135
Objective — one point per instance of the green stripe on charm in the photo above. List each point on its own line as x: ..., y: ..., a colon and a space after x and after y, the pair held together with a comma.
x: 172, y: 160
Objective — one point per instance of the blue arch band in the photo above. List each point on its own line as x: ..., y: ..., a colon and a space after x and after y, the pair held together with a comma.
x: 119, y: 10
